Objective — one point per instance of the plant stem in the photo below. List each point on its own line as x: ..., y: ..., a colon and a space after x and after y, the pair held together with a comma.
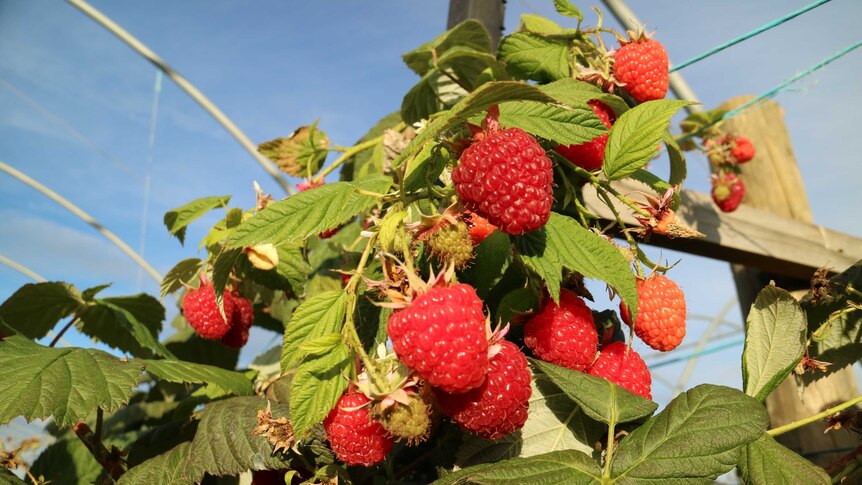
x: 347, y: 155
x: 62, y: 331
x: 816, y: 417
x: 609, y: 454
x: 350, y: 324
x: 605, y: 184
x: 628, y: 236
x: 99, y: 419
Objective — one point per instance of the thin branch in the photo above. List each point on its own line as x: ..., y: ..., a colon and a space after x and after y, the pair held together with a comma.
x: 816, y: 417
x: 63, y: 330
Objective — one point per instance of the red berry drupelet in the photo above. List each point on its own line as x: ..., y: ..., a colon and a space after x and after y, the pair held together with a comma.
x: 442, y: 337
x: 506, y: 177
x: 201, y: 311
x: 591, y: 155
x: 661, y: 313
x: 355, y: 438
x: 625, y: 368
x: 563, y: 334
x: 241, y: 320
x: 641, y: 64
x: 500, y: 406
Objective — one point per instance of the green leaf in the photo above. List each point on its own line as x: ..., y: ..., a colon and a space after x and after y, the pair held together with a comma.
x: 471, y: 68
x: 774, y: 341
x: 322, y: 345
x: 224, y: 445
x: 489, y: 263
x: 182, y: 272
x: 833, y: 321
x: 539, y: 24
x: 67, y: 461
x: 318, y: 383
x: 300, y: 154
x: 129, y: 323
x: 188, y: 346
x: 357, y: 165
x: 600, y: 399
x: 696, y: 437
x: 316, y: 316
x: 425, y: 169
x: 9, y: 478
x: 555, y: 423
x: 218, y: 234
x: 563, y: 243
x: 678, y: 169
x: 517, y: 304
x: 568, y: 10
x: 469, y: 34
x: 177, y: 219
x: 766, y: 462
x: 90, y: 293
x: 488, y: 94
x: 636, y: 135
x: 529, y: 56
x: 66, y: 384
x: 36, y: 308
x: 309, y: 212
x: 566, y: 466
x: 422, y: 101
x: 180, y: 371
x: 222, y: 267
x: 173, y: 467
x: 561, y: 125
x: 576, y: 93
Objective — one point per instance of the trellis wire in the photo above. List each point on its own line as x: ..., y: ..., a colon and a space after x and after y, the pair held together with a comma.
x: 759, y: 30
x: 776, y: 90
x: 692, y: 355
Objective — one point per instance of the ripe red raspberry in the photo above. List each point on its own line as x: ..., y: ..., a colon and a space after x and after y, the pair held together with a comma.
x: 625, y: 368
x: 441, y: 336
x: 201, y: 311
x: 241, y: 320
x: 355, y: 438
x: 641, y: 63
x: 508, y: 179
x: 591, y: 155
x: 501, y: 404
x: 727, y: 191
x: 480, y: 228
x: 563, y: 334
x: 742, y: 150
x: 661, y: 313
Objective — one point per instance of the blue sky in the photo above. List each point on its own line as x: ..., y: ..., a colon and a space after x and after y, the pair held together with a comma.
x: 273, y: 66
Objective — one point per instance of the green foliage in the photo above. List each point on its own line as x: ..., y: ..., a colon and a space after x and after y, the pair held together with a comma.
x: 66, y: 384
x: 567, y: 126
x: 697, y: 437
x: 301, y: 153
x: 36, y: 308
x: 600, y: 399
x: 563, y: 243
x: 182, y: 272
x: 774, y: 341
x: 130, y: 323
x: 470, y: 35
x: 635, y: 136
x: 178, y: 219
x: 318, y: 383
x: 180, y: 371
x: 316, y: 316
x: 564, y: 7
x: 534, y: 57
x: 309, y: 212
x: 766, y: 462
x: 565, y: 466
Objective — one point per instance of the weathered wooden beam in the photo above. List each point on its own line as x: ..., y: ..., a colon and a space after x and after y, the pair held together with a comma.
x: 748, y: 236
x: 490, y: 13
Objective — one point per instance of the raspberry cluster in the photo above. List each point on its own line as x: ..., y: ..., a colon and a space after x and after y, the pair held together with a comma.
x: 726, y: 154
x: 441, y: 336
x: 201, y: 311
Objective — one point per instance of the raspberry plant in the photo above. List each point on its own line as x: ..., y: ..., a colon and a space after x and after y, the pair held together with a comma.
x: 412, y: 354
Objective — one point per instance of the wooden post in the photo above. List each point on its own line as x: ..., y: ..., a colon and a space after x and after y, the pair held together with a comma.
x: 773, y: 183
x: 490, y: 13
